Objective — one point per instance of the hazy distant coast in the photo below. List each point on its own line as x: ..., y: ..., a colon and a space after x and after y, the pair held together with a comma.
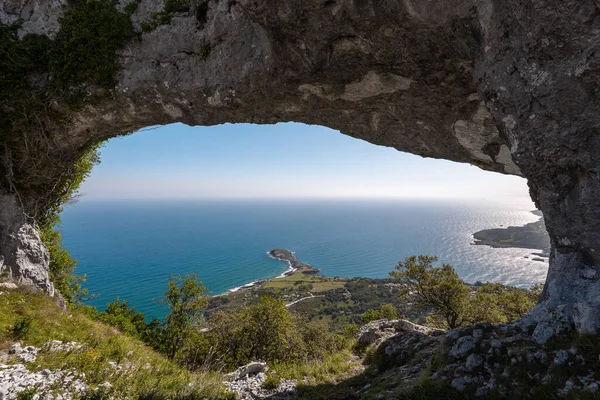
x: 529, y: 236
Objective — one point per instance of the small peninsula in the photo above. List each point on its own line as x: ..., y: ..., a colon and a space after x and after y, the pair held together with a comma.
x: 295, y: 265
x: 529, y: 236
x: 336, y: 300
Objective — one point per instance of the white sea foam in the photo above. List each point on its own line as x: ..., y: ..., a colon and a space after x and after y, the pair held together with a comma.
x: 285, y: 273
x: 290, y: 269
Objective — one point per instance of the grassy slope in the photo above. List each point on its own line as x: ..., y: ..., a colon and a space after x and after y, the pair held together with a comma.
x: 143, y: 373
x: 137, y: 371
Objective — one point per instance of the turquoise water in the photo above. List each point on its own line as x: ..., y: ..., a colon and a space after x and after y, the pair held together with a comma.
x: 131, y: 248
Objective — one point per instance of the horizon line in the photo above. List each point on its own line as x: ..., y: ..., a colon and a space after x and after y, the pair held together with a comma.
x: 283, y: 198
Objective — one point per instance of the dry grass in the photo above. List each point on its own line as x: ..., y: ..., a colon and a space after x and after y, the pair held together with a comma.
x: 331, y: 369
x: 324, y: 286
x: 320, y: 283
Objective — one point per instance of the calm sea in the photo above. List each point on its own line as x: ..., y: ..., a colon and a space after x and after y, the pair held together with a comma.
x: 131, y: 248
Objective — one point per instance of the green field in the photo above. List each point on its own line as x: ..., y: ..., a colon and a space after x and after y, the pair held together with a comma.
x: 319, y: 283
x: 337, y: 301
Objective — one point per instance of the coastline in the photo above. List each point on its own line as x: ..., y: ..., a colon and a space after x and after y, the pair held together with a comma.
x: 532, y: 235
x: 529, y: 236
x: 288, y: 271
x: 280, y: 255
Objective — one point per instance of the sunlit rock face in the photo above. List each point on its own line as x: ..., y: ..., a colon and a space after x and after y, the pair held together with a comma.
x: 507, y: 86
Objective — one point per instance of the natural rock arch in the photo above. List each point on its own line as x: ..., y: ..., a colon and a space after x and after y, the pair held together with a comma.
x: 509, y: 86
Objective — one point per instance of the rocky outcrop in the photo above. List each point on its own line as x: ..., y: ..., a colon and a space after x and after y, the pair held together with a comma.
x: 23, y: 257
x: 247, y: 370
x: 247, y: 383
x: 508, y: 86
x: 18, y: 379
x: 376, y: 331
x: 499, y: 361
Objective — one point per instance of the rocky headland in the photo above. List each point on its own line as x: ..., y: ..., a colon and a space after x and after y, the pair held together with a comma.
x: 529, y: 236
x: 295, y: 265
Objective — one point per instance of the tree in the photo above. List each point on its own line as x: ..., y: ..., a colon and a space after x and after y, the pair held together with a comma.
x: 267, y: 329
x: 388, y: 311
x: 452, y: 302
x: 262, y: 331
x: 185, y: 297
x: 124, y: 317
x: 268, y: 332
x: 438, y: 289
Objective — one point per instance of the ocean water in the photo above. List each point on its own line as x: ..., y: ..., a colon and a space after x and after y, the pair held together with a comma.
x: 131, y: 248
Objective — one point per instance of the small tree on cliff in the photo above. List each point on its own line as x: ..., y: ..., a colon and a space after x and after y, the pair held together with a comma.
x: 437, y: 289
x: 452, y: 302
x: 185, y: 297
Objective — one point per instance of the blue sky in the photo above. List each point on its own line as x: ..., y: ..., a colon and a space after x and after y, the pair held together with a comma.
x: 278, y: 161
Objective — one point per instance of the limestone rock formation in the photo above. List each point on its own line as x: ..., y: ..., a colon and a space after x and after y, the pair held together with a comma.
x: 247, y: 384
x: 23, y: 257
x: 483, y: 361
x: 508, y: 86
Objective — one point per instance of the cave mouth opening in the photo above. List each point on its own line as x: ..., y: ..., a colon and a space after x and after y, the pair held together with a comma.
x: 213, y: 200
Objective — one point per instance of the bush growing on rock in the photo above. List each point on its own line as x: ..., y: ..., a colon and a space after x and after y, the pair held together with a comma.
x: 386, y: 311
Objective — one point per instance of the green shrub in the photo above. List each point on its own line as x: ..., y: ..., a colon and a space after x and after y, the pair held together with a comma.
x: 386, y: 311
x: 21, y: 328
x: 131, y: 7
x: 496, y: 303
x: 350, y: 331
x: 370, y: 315
x: 85, y: 47
x: 27, y: 394
x: 272, y: 382
x: 124, y: 317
